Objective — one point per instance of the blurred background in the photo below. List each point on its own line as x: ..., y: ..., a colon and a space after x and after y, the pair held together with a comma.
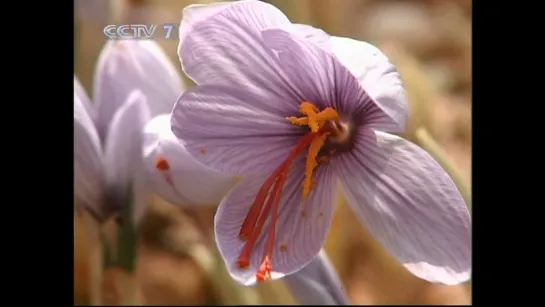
x: 430, y: 43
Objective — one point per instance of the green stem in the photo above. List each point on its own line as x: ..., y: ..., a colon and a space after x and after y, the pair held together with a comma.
x: 127, y: 251
x: 425, y: 140
x: 127, y: 247
x: 127, y: 236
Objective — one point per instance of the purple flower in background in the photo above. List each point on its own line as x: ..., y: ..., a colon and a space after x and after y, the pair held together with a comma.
x: 134, y: 76
x: 298, y: 113
x: 133, y: 64
x: 174, y: 174
x: 102, y: 176
x: 168, y: 170
x: 317, y: 283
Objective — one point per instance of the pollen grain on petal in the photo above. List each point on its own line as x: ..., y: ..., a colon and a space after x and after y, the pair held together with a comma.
x: 283, y: 247
x: 204, y: 150
x: 162, y: 164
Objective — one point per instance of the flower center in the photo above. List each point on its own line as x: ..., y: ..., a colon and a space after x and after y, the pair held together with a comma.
x: 322, y: 124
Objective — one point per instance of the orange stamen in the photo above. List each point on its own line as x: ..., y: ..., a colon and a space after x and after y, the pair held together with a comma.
x: 265, y: 269
x: 269, y: 195
x: 244, y: 259
x: 311, y: 163
x: 249, y: 223
x: 314, y: 119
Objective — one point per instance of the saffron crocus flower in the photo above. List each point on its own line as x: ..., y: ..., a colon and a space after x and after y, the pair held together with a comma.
x: 102, y: 177
x: 174, y: 174
x: 298, y: 113
x: 124, y: 65
x: 317, y: 283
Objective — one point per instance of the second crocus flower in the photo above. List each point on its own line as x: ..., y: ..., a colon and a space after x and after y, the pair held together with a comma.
x: 143, y: 65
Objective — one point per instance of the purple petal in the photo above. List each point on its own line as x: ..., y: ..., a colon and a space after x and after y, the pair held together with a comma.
x: 324, y: 80
x: 315, y: 35
x: 224, y: 129
x: 221, y: 44
x: 123, y: 148
x: 187, y: 182
x: 376, y: 74
x: 317, y: 283
x: 133, y: 64
x: 88, y: 169
x: 195, y: 13
x: 300, y: 231
x: 82, y: 96
x: 409, y: 204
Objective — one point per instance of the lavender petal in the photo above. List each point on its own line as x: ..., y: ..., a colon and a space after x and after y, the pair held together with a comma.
x: 317, y: 283
x: 189, y: 183
x: 410, y: 205
x: 88, y: 168
x: 226, y: 130
x: 82, y: 96
x: 314, y: 35
x: 221, y: 44
x: 323, y: 80
x: 133, y: 64
x: 377, y: 75
x: 123, y: 147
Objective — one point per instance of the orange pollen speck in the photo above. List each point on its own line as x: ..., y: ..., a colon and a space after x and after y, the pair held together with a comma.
x: 204, y: 150
x: 283, y: 248
x: 268, y: 198
x: 162, y: 164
